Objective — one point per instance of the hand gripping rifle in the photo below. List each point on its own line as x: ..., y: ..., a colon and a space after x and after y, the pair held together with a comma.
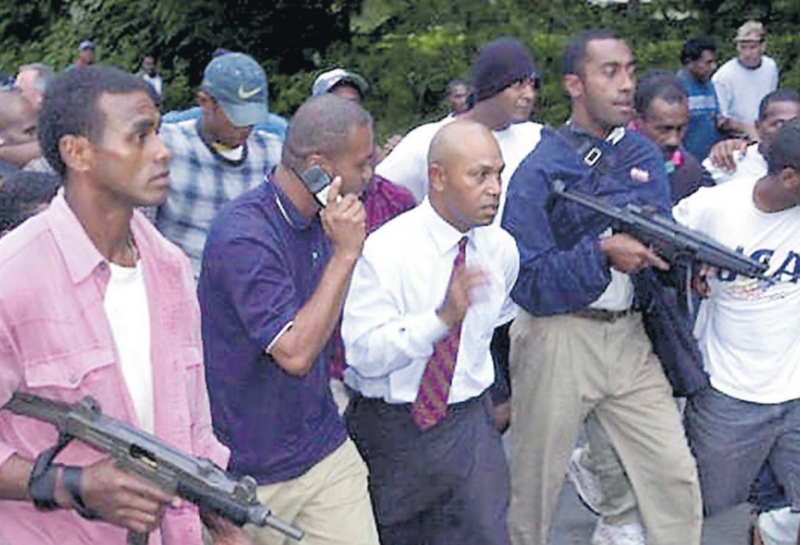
x: 678, y: 244
x: 197, y: 480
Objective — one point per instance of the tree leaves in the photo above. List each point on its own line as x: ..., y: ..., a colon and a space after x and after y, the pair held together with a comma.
x: 407, y: 49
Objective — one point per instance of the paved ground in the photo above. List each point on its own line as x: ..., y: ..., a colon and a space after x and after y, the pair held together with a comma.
x: 573, y: 524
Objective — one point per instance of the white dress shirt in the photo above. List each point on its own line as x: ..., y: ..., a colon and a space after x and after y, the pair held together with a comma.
x: 390, y: 323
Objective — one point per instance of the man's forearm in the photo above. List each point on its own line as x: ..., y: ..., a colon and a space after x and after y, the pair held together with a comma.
x: 741, y: 127
x: 14, y: 476
x: 297, y: 349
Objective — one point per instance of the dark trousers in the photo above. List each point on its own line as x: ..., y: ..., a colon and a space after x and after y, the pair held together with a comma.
x: 446, y: 485
x: 501, y: 389
x: 732, y: 441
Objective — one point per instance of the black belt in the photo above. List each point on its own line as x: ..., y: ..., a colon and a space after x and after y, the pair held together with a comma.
x: 602, y: 315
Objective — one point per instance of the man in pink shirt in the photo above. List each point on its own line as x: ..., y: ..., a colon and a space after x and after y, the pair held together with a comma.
x: 93, y: 301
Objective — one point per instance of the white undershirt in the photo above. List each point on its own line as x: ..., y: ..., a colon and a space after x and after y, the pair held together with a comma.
x: 619, y: 294
x: 127, y: 311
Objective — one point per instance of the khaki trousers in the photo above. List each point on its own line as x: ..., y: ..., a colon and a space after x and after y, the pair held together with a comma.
x: 563, y: 368
x: 329, y: 503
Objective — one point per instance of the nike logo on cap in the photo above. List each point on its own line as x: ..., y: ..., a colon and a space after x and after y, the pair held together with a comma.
x: 244, y: 95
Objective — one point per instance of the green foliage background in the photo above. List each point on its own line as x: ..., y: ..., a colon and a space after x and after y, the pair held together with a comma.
x: 407, y: 49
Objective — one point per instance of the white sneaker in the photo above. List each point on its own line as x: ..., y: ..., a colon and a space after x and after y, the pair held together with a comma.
x: 778, y: 527
x: 631, y: 533
x: 586, y: 483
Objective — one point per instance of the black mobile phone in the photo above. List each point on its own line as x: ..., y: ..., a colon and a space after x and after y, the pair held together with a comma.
x: 318, y: 182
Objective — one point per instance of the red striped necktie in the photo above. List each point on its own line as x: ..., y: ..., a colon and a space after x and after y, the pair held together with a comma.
x: 431, y: 404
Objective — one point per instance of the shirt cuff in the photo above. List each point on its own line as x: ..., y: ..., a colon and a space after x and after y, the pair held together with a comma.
x: 284, y: 329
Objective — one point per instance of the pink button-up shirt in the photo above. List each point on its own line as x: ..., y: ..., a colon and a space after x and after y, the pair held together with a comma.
x: 56, y: 342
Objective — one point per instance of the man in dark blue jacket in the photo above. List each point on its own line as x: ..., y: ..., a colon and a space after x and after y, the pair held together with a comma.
x: 579, y: 345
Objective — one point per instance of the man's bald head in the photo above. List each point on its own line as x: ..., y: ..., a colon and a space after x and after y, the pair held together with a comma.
x: 17, y: 119
x: 464, y: 169
x: 451, y: 141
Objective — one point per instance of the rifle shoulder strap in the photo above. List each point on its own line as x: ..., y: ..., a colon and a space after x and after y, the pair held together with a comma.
x: 589, y: 154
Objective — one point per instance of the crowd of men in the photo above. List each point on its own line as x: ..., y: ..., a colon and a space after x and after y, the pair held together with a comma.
x: 357, y: 328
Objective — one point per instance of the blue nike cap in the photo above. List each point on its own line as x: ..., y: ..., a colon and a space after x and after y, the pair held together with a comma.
x: 239, y: 85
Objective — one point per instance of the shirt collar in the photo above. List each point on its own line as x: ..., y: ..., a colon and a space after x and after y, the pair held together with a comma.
x: 445, y: 235
x: 216, y: 154
x: 289, y: 211
x: 79, y: 252
x: 614, y: 135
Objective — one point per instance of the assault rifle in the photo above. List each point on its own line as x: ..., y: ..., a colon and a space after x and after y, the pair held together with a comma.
x: 196, y: 480
x: 678, y: 244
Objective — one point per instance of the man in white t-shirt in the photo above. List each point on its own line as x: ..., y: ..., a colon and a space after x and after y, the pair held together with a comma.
x: 150, y: 75
x: 749, y: 336
x: 743, y: 81
x: 504, y: 80
x: 735, y: 158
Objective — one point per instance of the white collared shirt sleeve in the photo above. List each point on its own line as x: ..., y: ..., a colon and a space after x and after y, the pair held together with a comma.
x: 380, y: 337
x: 511, y: 265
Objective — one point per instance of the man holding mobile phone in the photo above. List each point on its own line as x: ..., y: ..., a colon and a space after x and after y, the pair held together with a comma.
x: 275, y: 271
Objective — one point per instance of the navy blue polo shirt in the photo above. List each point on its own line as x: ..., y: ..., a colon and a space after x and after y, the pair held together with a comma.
x: 261, y: 263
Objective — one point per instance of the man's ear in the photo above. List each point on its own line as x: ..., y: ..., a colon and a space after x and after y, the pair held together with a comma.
x: 437, y: 178
x: 573, y: 85
x: 789, y: 179
x: 77, y: 152
x: 316, y: 159
x: 204, y: 100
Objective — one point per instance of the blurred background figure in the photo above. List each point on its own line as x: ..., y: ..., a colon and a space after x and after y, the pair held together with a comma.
x: 458, y: 96
x: 32, y: 80
x: 150, y: 75
x: 86, y: 55
x: 342, y: 83
x: 743, y: 81
x: 18, y: 144
x: 699, y: 59
x: 25, y: 194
